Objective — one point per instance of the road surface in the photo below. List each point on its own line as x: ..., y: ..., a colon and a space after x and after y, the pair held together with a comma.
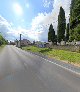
x: 21, y: 71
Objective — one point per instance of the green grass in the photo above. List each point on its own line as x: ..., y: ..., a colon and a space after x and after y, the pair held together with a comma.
x: 72, y: 57
x: 1, y: 47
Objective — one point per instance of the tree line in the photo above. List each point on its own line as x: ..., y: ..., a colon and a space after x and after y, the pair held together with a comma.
x: 2, y: 40
x: 67, y: 31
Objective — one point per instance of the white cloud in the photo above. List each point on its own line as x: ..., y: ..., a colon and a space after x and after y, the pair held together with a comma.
x: 64, y: 3
x: 7, y: 29
x: 39, y: 26
x: 47, y: 3
x: 3, y: 22
x: 4, y: 26
x: 11, y: 33
x: 42, y: 21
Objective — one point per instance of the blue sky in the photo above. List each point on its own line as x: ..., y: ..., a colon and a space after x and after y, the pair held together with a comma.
x: 31, y: 18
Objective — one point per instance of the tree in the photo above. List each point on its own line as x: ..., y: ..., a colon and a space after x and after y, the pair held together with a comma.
x: 51, y: 34
x: 61, y: 25
x: 75, y: 20
x: 67, y: 32
x: 75, y: 9
x: 71, y: 10
x: 2, y: 40
x: 77, y: 33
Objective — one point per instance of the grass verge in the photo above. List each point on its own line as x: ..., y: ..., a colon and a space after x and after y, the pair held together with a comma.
x: 67, y: 56
x: 1, y: 47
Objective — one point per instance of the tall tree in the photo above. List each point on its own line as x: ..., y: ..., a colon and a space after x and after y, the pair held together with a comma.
x: 75, y: 20
x: 61, y: 25
x: 67, y: 32
x: 72, y: 10
x: 51, y: 34
x: 75, y: 9
x: 77, y: 33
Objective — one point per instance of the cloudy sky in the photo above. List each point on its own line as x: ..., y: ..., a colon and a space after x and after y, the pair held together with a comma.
x: 31, y: 18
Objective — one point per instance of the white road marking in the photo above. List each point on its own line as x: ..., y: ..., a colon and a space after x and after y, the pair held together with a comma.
x: 57, y: 64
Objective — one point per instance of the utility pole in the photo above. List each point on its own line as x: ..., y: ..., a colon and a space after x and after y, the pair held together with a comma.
x: 20, y: 40
x: 69, y: 28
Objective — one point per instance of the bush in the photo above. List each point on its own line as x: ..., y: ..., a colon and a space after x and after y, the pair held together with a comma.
x: 2, y: 40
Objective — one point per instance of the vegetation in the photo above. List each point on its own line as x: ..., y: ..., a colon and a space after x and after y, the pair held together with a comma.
x: 51, y: 34
x: 74, y: 10
x: 2, y: 46
x: 75, y: 33
x: 72, y: 32
x: 67, y: 32
x: 75, y: 20
x: 72, y: 57
x: 2, y: 40
x: 61, y: 25
x: 73, y: 28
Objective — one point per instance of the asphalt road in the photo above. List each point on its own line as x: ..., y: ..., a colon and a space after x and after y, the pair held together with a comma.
x: 21, y: 71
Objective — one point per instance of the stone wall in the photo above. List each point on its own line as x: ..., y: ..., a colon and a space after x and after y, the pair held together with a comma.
x: 73, y: 48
